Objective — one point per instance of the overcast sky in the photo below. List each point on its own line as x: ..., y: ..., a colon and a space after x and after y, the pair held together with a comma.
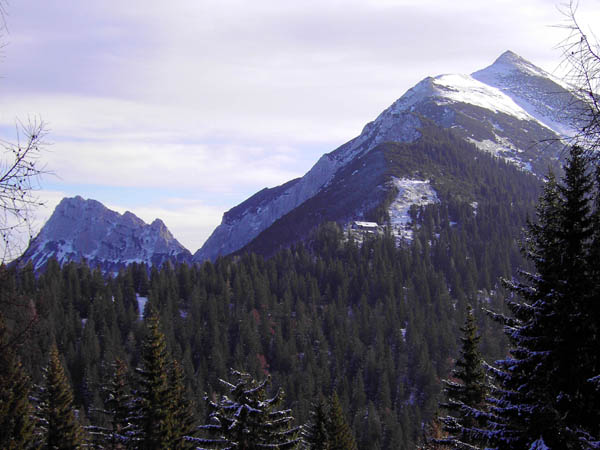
x: 183, y: 109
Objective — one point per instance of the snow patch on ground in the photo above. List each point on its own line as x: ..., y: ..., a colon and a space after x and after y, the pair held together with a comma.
x: 502, y: 148
x: 539, y: 445
x: 403, y: 331
x: 64, y: 250
x: 410, y: 192
x: 141, y: 304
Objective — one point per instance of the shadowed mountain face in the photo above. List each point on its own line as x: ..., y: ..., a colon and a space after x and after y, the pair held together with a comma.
x: 424, y: 148
x: 85, y: 229
x: 511, y: 110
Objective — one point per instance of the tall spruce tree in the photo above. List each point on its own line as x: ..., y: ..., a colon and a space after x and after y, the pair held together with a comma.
x: 184, y: 423
x: 247, y: 419
x: 16, y: 424
x: 328, y: 428
x: 58, y: 425
x: 118, y: 407
x: 466, y: 398
x: 542, y: 387
x: 591, y: 342
x: 340, y: 434
x: 154, y: 427
x: 315, y: 434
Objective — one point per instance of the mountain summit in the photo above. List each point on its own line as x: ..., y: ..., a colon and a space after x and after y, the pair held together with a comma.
x: 85, y: 229
x: 430, y: 146
x: 504, y: 110
x: 541, y: 95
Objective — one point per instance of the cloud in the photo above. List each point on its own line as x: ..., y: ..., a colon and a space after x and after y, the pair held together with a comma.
x: 174, y: 167
x: 207, y: 101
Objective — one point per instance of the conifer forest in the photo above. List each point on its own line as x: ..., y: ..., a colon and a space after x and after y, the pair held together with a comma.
x: 476, y: 326
x: 328, y: 344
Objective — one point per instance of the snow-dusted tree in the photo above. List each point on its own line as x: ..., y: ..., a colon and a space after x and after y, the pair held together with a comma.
x: 546, y: 390
x: 248, y: 419
x: 466, y: 399
x: 593, y: 337
x: 59, y: 428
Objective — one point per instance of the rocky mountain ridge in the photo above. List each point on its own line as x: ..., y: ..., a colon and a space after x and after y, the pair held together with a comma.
x: 506, y: 109
x: 85, y: 229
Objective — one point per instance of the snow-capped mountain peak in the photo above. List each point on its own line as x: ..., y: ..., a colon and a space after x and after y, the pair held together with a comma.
x: 466, y: 89
x: 504, y: 109
x: 511, y: 62
x: 85, y: 229
x: 541, y: 95
x: 450, y: 88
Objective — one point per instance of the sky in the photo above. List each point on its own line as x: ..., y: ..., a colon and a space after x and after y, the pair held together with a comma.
x: 183, y: 109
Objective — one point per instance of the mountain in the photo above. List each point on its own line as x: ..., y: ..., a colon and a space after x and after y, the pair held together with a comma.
x: 511, y: 110
x: 451, y: 170
x: 85, y: 229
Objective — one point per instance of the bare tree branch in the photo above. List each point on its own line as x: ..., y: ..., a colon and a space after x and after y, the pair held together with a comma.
x: 20, y: 172
x: 581, y: 59
x: 3, y: 14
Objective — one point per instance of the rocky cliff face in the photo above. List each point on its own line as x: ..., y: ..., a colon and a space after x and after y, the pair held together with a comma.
x: 85, y: 229
x: 506, y: 109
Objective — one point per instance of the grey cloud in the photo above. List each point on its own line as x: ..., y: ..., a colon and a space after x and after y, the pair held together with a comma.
x: 286, y: 80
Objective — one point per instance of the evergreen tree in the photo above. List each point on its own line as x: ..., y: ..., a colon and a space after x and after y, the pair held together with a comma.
x: 154, y: 427
x: 16, y: 424
x: 118, y: 406
x: 184, y: 425
x: 59, y: 426
x: 545, y: 390
x: 434, y: 436
x: 467, y: 398
x: 340, y: 434
x: 315, y: 434
x: 247, y: 419
x: 346, y: 316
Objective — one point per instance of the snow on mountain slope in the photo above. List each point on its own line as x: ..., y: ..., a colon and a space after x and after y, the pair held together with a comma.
x: 452, y: 88
x: 85, y: 229
x: 464, y: 88
x: 506, y: 109
x: 541, y: 95
x: 236, y: 231
x: 410, y: 192
x: 500, y: 109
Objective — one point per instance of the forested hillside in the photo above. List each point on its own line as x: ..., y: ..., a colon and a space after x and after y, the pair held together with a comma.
x: 464, y: 178
x: 376, y: 324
